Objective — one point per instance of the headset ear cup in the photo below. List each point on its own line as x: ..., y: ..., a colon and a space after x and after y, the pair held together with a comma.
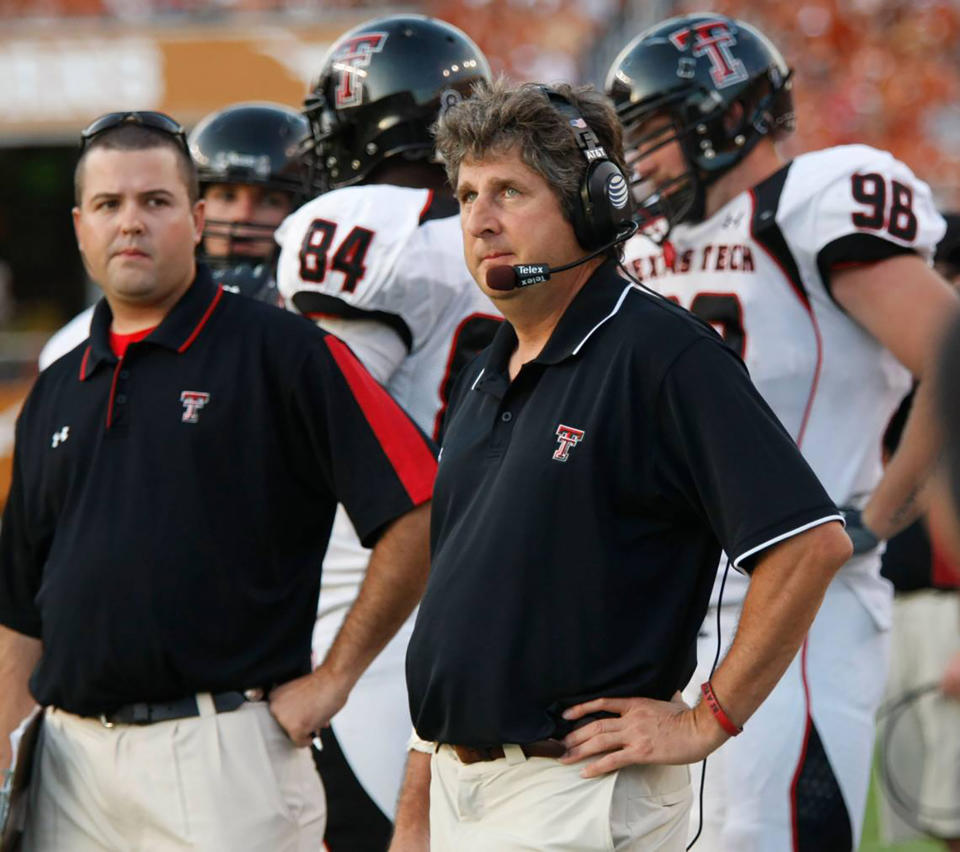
x: 606, y: 204
x: 583, y: 214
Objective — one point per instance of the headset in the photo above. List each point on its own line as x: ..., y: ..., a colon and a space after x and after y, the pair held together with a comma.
x: 606, y: 205
x: 602, y: 218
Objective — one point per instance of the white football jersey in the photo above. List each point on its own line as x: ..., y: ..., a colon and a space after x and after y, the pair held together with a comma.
x: 393, y: 255
x: 67, y: 338
x: 758, y: 271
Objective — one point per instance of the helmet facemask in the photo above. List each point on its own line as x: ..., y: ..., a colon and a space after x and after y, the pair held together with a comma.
x: 669, y: 202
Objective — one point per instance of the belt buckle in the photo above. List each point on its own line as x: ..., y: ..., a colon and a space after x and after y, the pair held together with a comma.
x: 106, y: 722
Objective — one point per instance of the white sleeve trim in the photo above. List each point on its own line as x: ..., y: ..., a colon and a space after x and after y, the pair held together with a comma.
x: 784, y: 536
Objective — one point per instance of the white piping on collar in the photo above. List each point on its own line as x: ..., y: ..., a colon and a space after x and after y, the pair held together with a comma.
x: 612, y: 313
x: 477, y: 379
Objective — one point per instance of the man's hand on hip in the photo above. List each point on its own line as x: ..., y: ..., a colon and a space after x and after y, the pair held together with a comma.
x: 305, y: 705
x: 644, y: 731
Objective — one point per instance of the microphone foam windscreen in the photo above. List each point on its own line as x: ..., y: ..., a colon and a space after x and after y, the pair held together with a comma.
x: 501, y: 278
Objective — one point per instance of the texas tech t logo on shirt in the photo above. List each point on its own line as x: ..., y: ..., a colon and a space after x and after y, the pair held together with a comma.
x: 567, y: 438
x: 193, y: 401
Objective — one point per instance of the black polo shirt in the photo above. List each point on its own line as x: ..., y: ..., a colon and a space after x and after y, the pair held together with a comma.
x: 169, y: 512
x: 579, y: 513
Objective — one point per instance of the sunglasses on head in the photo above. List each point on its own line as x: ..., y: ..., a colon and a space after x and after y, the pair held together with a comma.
x: 145, y: 118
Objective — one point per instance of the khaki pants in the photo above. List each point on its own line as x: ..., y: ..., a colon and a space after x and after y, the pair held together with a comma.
x: 518, y: 803
x: 220, y: 781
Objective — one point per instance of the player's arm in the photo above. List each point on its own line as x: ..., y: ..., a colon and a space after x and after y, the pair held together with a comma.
x: 906, y: 306
x: 786, y: 589
x: 411, y: 831
x: 394, y: 582
x: 19, y: 655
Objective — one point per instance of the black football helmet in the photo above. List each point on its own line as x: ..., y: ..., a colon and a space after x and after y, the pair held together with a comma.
x: 259, y: 144
x: 693, y: 70
x: 254, y: 143
x: 381, y: 87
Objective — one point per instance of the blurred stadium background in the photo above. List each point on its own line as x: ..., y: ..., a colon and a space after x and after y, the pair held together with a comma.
x: 882, y: 72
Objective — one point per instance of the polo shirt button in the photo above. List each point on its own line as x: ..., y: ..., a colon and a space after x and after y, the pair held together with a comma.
x: 506, y: 417
x: 124, y: 374
x: 121, y: 398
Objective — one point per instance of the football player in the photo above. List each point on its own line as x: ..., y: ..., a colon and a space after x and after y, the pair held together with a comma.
x: 817, y: 272
x: 378, y: 261
x: 251, y: 175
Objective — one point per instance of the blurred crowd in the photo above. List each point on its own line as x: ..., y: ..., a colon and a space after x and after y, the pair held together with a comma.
x: 162, y: 10
x: 882, y: 72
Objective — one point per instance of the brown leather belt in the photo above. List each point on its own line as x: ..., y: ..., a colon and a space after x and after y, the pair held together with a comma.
x: 478, y: 754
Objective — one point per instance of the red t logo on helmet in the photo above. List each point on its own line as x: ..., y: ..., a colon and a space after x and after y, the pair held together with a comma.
x: 353, y: 55
x: 714, y: 39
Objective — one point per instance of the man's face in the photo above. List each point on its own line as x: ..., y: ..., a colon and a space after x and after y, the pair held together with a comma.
x: 652, y: 156
x: 510, y: 215
x: 229, y: 204
x: 135, y: 225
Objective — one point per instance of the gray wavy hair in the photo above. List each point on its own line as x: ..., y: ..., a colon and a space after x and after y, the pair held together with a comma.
x: 498, y: 117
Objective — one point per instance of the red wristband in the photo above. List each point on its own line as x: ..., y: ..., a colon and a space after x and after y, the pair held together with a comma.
x: 718, y: 712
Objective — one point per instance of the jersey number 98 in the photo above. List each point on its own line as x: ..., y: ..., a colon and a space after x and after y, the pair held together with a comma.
x: 872, y: 191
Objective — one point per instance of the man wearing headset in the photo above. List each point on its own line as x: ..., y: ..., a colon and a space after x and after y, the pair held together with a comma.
x: 583, y: 496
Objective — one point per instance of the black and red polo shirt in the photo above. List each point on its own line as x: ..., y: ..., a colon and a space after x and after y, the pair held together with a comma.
x: 170, y: 510
x: 579, y: 514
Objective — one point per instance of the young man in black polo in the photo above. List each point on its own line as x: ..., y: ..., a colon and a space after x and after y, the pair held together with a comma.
x: 596, y: 457
x: 176, y: 481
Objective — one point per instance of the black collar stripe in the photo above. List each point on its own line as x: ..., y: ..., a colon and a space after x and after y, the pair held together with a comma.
x: 203, y: 321
x: 404, y: 446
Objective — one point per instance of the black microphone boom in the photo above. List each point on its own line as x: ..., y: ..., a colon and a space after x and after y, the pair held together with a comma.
x: 525, y: 274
